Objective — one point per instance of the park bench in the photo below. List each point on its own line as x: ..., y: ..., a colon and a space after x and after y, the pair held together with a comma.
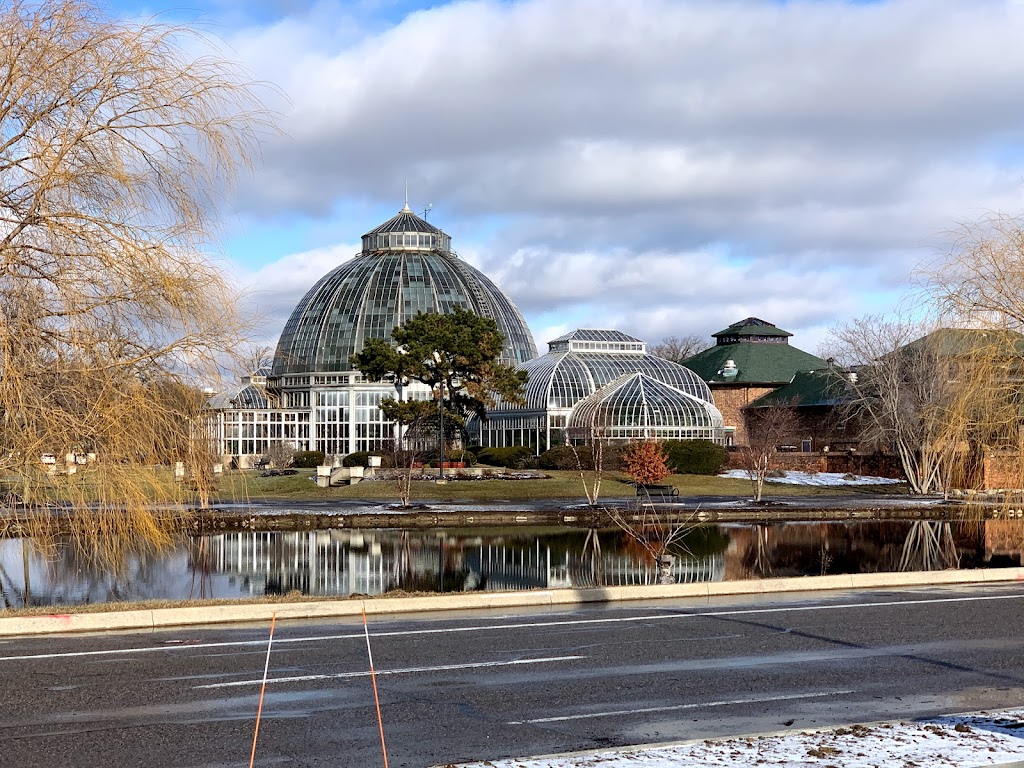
x: 656, y: 490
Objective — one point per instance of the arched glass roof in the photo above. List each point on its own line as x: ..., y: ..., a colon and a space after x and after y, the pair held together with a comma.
x: 245, y: 397
x: 572, y: 371
x: 638, y: 406
x: 406, y: 266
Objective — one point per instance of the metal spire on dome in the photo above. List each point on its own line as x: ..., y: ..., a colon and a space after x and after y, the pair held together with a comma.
x: 406, y: 208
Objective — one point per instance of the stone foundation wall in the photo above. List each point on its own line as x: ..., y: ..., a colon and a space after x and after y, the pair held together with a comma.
x: 871, y: 464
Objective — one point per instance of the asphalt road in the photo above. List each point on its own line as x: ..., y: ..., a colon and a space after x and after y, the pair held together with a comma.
x: 479, y: 685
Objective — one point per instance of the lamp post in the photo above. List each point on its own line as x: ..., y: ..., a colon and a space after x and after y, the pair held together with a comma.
x: 440, y: 434
x: 440, y: 419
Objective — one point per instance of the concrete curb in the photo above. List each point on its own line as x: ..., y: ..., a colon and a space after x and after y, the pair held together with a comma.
x: 262, y: 612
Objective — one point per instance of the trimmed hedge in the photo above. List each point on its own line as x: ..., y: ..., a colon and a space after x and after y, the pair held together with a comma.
x: 308, y: 459
x: 695, y: 457
x: 359, y: 459
x: 562, y: 457
x: 515, y: 457
x: 458, y: 455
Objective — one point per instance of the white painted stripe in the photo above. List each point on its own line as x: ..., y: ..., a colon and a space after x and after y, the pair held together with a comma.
x: 383, y: 672
x: 512, y: 626
x: 699, y: 705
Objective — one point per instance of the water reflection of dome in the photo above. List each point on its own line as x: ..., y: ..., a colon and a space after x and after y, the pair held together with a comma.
x: 345, y: 562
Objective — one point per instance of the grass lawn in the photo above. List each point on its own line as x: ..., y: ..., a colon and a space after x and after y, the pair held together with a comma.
x: 249, y: 486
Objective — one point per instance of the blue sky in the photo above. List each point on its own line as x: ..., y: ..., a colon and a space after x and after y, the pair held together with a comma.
x: 664, y: 167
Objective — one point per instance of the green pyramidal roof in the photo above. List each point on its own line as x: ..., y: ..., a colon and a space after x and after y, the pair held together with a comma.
x: 756, y: 363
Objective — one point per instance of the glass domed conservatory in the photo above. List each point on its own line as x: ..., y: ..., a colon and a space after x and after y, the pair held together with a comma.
x: 316, y: 400
x: 639, y: 407
x: 604, y: 381
x: 406, y: 266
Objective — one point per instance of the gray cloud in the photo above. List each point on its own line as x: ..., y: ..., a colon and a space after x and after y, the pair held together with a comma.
x: 661, y: 163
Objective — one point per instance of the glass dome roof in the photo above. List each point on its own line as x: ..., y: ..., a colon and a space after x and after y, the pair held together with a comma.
x: 406, y: 266
x: 246, y: 397
x: 637, y: 405
x: 583, y: 361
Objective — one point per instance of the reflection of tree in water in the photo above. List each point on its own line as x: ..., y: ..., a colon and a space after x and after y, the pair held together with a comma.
x: 929, y: 547
x: 770, y: 550
x: 402, y: 570
x: 416, y: 568
x: 8, y: 590
x: 586, y: 569
x: 75, y: 576
x: 592, y: 549
x: 201, y: 566
x: 9, y: 587
x: 757, y: 558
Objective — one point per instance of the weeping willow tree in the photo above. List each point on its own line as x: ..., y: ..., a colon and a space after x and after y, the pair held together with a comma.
x: 979, y: 284
x: 115, y: 145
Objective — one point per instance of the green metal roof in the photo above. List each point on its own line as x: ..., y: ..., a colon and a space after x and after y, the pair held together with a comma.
x: 953, y: 342
x: 825, y: 387
x: 756, y: 363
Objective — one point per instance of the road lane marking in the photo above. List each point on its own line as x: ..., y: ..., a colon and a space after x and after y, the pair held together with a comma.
x: 383, y: 672
x: 510, y: 626
x: 677, y: 707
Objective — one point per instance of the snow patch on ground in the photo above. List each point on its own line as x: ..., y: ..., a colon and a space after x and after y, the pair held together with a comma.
x: 815, y: 478
x: 973, y: 740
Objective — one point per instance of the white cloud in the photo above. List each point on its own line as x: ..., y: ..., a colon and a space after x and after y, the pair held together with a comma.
x: 666, y: 166
x: 271, y: 293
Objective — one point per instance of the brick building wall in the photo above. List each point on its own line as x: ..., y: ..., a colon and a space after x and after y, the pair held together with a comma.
x: 1003, y: 470
x: 730, y: 399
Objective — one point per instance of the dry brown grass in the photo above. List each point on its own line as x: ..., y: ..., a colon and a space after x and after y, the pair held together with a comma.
x: 558, y: 484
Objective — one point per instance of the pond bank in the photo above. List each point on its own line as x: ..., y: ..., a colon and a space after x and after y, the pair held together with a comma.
x: 300, y: 516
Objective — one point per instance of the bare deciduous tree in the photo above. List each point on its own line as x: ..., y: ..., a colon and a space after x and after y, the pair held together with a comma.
x: 115, y: 144
x: 767, y: 428
x: 593, y: 437
x: 253, y: 357
x: 980, y: 282
x: 279, y: 454
x: 677, y: 348
x: 929, y: 393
